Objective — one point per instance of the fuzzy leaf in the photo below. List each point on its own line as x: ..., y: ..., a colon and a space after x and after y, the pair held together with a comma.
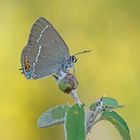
x: 92, y: 106
x: 53, y: 116
x: 75, y: 123
x: 108, y: 103
x: 118, y: 123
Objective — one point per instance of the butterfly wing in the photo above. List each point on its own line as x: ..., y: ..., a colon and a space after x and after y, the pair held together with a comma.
x: 45, y: 51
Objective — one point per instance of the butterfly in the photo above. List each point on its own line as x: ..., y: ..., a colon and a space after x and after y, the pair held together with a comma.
x: 46, y: 53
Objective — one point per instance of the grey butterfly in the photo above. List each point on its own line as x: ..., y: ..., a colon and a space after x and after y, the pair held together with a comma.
x: 46, y: 53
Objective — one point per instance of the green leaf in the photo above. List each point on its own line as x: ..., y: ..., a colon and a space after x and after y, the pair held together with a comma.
x: 108, y: 103
x: 118, y: 122
x: 92, y: 106
x: 53, y: 116
x: 75, y: 123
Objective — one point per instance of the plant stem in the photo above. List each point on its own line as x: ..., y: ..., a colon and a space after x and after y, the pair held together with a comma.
x: 75, y: 97
x: 94, y: 115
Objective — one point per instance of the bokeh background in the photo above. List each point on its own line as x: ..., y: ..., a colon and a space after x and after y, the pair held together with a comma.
x: 110, y: 28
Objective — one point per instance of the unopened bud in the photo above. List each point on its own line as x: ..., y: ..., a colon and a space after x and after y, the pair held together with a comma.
x: 68, y: 83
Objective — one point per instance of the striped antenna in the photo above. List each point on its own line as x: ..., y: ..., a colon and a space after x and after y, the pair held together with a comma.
x: 86, y: 51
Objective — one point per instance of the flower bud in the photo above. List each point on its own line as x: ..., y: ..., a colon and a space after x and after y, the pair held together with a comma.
x: 68, y: 83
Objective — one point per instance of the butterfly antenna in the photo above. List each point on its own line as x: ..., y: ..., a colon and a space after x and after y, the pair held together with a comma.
x: 86, y: 51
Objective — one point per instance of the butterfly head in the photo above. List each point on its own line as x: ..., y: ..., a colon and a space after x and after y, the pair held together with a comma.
x: 73, y: 59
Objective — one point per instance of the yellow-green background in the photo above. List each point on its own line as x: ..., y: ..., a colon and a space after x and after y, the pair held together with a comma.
x: 111, y: 28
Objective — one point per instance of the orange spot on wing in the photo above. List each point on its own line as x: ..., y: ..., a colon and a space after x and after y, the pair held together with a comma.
x: 26, y: 64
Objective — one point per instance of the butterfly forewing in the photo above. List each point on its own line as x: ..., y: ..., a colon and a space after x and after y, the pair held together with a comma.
x: 41, y: 30
x: 45, y: 50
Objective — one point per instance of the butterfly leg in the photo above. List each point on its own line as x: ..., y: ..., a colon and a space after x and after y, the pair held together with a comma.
x: 74, y: 70
x: 55, y: 76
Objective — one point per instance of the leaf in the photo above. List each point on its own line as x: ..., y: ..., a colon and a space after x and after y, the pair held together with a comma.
x: 108, y: 103
x: 118, y: 122
x: 75, y: 123
x: 92, y: 106
x: 53, y: 116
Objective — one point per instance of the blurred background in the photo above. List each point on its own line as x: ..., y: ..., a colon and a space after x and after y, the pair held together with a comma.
x: 110, y: 28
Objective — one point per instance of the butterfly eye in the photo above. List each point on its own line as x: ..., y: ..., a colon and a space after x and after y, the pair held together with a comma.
x: 74, y: 59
